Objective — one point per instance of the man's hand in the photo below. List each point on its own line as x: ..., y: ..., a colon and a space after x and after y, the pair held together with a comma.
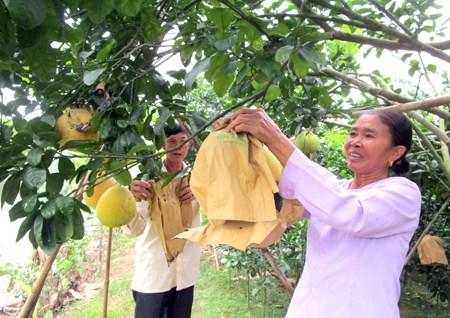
x: 185, y: 195
x: 141, y: 189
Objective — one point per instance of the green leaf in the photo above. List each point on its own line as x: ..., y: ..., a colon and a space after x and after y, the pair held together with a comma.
x: 80, y: 144
x: 129, y: 7
x: 299, y: 66
x: 42, y: 60
x: 95, y: 164
x: 124, y: 177
x: 311, y: 55
x: 89, y: 77
x: 66, y: 168
x: 26, y: 225
x: 8, y: 38
x: 103, y: 53
x: 221, y: 17
x: 138, y: 148
x: 164, y: 115
x: 82, y: 206
x: 38, y: 126
x: 97, y: 10
x: 222, y: 83
x: 78, y: 225
x: 22, y: 139
x: 17, y: 212
x: 63, y: 227
x: 30, y: 38
x: 55, y: 183
x: 29, y: 203
x: 49, y: 209
x: 34, y: 178
x: 272, y: 92
x: 9, y: 192
x: 28, y: 14
x: 65, y: 205
x: 283, y: 53
x: 169, y: 178
x: 45, y: 234
x: 432, y: 68
x: 34, y: 157
x: 226, y: 44
x: 198, y: 68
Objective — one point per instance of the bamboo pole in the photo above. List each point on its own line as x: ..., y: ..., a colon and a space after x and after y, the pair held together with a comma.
x: 427, y: 229
x: 32, y: 299
x: 107, y: 274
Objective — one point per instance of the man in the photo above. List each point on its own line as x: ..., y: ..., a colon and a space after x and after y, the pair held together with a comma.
x: 161, y: 290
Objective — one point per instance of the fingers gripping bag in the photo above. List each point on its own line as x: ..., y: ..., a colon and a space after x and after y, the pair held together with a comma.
x: 233, y: 183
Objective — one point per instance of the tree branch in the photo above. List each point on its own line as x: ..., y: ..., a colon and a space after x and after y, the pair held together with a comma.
x: 391, y: 17
x: 425, y: 104
x: 377, y: 92
x: 246, y: 18
x: 439, y: 133
x: 372, y: 24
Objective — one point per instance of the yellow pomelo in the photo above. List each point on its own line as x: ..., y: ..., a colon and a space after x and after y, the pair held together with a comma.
x: 99, y: 189
x: 75, y: 124
x: 116, y: 206
x: 307, y: 142
x: 274, y: 164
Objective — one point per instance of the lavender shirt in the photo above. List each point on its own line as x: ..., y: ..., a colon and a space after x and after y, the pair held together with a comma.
x: 356, y: 244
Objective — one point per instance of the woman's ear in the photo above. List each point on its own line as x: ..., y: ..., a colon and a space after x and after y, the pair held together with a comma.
x: 398, y: 152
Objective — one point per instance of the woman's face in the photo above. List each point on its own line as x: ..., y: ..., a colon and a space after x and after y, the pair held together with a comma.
x: 173, y: 141
x: 369, y: 147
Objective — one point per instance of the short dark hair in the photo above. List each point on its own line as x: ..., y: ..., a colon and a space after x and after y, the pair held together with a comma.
x: 401, y: 133
x: 169, y: 131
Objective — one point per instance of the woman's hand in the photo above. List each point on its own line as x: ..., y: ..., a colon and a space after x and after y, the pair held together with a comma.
x: 185, y: 195
x: 141, y: 189
x: 257, y: 123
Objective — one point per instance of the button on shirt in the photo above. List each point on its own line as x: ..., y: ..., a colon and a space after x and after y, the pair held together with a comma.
x: 357, y: 241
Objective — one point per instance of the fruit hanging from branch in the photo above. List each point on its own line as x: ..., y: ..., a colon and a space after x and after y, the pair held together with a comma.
x: 75, y: 124
x: 116, y: 207
x: 274, y: 164
x: 307, y: 142
x: 103, y: 184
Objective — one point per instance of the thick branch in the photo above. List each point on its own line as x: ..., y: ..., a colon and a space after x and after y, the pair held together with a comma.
x: 439, y: 133
x: 377, y: 92
x: 372, y: 24
x: 425, y: 104
x: 278, y: 271
x: 432, y: 151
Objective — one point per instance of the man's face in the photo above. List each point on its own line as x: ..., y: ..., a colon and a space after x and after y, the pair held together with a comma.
x: 173, y: 141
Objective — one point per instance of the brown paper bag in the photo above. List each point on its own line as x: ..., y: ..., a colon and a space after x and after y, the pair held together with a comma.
x: 232, y: 180
x: 431, y: 251
x: 169, y: 216
x: 241, y: 234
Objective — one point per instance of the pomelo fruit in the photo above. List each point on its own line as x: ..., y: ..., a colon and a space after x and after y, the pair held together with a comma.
x: 116, y: 207
x: 307, y: 142
x: 75, y: 124
x: 103, y: 185
x: 274, y: 164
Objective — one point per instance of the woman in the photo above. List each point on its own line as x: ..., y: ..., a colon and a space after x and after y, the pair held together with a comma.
x: 359, y: 230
